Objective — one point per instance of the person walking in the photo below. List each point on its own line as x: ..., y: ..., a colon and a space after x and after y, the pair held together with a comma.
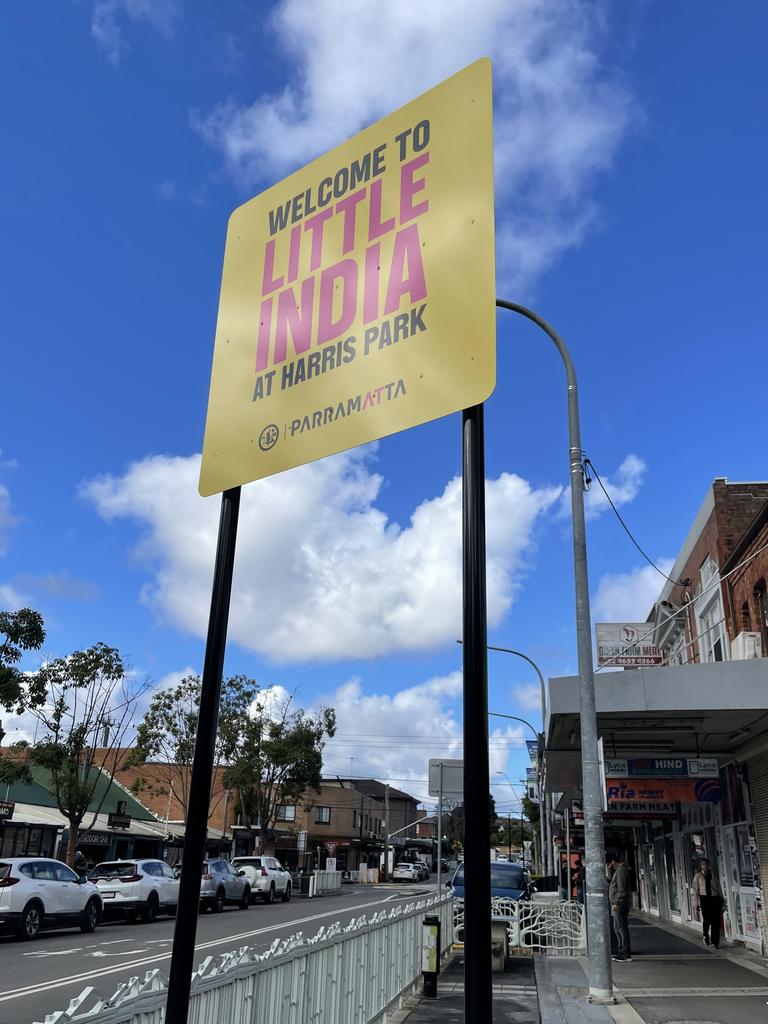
x: 619, y: 897
x: 708, y: 902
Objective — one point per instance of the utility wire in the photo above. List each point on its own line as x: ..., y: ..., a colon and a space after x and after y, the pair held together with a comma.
x: 649, y: 560
x: 684, y: 608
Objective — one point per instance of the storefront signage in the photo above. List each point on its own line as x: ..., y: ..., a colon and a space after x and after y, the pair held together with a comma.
x: 115, y: 820
x: 655, y: 790
x: 358, y: 294
x: 6, y: 810
x: 533, y: 750
x: 642, y: 809
x: 626, y: 644
x: 94, y: 838
x: 577, y: 812
x: 662, y: 767
x: 531, y: 774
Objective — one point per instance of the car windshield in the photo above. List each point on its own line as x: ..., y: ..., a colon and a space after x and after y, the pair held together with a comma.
x: 123, y: 869
x: 503, y: 876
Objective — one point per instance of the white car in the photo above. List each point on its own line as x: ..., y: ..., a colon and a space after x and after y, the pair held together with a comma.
x: 143, y: 887
x: 267, y: 876
x: 37, y: 893
x: 406, y: 873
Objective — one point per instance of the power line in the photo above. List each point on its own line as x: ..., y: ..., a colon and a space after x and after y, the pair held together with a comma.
x: 649, y: 560
x: 684, y: 608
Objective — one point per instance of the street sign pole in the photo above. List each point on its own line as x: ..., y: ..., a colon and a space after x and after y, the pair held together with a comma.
x: 478, y: 991
x: 196, y: 832
x: 440, y: 831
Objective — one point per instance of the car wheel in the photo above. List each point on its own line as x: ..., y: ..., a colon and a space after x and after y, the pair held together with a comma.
x: 287, y: 894
x: 269, y: 896
x: 31, y: 922
x: 90, y: 917
x: 149, y: 912
x: 245, y: 902
x: 218, y: 905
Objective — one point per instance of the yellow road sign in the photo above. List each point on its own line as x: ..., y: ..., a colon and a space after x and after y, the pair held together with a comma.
x: 357, y: 296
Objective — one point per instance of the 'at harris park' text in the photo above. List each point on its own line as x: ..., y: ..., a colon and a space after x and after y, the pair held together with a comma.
x: 376, y: 337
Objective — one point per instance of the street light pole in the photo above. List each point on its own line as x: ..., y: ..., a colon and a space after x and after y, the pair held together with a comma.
x: 598, y: 944
x: 545, y: 824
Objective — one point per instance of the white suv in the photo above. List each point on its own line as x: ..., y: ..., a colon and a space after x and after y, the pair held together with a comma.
x: 37, y: 893
x: 267, y: 876
x: 144, y: 887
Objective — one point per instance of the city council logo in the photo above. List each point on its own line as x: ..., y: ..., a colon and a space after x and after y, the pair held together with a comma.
x: 268, y: 437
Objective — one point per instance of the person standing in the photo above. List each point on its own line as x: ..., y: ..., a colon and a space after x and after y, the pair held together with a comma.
x: 578, y: 879
x: 708, y: 902
x: 619, y: 897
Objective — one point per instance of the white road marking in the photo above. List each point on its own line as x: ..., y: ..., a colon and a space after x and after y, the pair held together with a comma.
x: 53, y: 952
x: 120, y: 952
x: 225, y: 940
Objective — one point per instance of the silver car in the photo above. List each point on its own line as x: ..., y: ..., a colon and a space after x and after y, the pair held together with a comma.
x: 267, y: 876
x: 221, y: 884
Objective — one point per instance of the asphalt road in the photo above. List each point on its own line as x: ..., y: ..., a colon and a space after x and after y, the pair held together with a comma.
x: 39, y: 977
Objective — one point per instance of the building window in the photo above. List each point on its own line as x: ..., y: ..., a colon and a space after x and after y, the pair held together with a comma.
x: 711, y: 633
x: 286, y: 812
x: 761, y: 605
x: 354, y: 821
x: 322, y: 815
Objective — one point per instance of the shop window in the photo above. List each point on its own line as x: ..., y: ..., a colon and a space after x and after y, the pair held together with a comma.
x: 761, y: 606
x: 322, y: 815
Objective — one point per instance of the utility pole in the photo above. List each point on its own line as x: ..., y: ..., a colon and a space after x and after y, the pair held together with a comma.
x: 440, y: 828
x: 386, y: 832
x: 509, y: 833
x: 595, y: 889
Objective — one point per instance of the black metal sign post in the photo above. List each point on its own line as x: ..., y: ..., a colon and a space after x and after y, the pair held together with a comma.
x: 478, y: 992
x: 196, y: 832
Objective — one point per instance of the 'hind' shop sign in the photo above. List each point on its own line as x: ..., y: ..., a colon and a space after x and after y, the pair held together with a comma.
x: 358, y: 295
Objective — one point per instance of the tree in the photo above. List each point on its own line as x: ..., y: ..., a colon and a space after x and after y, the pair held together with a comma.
x: 274, y: 756
x: 168, y: 732
x: 19, y: 631
x: 454, y: 822
x: 87, y: 704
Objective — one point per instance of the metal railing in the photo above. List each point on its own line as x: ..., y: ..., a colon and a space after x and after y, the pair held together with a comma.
x: 325, y: 881
x: 345, y: 974
x: 557, y: 928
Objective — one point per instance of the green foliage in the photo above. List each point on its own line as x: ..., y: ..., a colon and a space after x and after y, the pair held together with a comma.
x: 274, y: 757
x: 79, y: 699
x: 19, y: 631
x: 15, y: 768
x: 453, y: 822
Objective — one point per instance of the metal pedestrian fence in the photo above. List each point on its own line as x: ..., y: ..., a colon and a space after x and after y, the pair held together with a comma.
x: 345, y: 974
x: 552, y: 926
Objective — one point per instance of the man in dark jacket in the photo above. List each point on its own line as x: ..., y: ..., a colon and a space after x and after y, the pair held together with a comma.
x: 619, y: 897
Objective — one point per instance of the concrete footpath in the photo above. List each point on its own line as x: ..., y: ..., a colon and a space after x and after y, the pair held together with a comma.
x: 671, y: 979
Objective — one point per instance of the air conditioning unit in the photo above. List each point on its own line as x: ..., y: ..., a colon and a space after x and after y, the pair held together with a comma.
x: 747, y: 645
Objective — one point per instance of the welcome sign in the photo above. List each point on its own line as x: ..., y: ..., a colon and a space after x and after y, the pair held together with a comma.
x: 358, y: 295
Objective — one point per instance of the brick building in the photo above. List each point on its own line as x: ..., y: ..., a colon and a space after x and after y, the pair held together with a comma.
x: 745, y: 573
x: 694, y: 618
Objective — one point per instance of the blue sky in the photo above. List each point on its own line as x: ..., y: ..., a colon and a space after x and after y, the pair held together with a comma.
x: 630, y: 212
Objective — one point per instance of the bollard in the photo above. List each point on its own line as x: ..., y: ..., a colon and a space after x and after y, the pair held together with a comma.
x: 430, y: 955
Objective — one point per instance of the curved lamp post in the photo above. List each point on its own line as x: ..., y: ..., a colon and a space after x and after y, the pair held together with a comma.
x: 595, y: 896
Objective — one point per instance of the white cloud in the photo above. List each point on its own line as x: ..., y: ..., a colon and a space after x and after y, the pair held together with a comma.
x: 108, y: 16
x: 528, y: 696
x: 321, y: 572
x: 7, y: 518
x: 623, y: 487
x: 560, y: 114
x: 391, y: 737
x: 11, y: 599
x: 629, y: 596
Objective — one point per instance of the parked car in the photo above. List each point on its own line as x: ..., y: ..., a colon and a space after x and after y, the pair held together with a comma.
x: 145, y: 887
x: 509, y: 880
x: 38, y: 893
x: 267, y: 877
x: 424, y: 868
x: 406, y: 872
x: 222, y: 884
